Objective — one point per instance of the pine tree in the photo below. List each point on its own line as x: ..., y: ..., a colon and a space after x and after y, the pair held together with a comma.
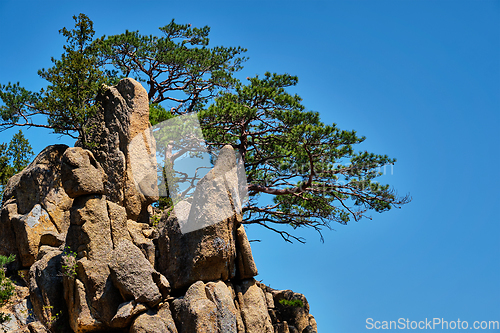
x: 311, y: 170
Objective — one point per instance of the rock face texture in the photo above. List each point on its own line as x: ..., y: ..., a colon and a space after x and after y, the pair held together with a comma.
x: 34, y: 204
x: 124, y: 115
x: 79, y: 225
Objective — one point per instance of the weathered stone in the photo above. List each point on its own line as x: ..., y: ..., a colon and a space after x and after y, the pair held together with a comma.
x: 80, y: 315
x: 40, y: 184
x: 10, y: 325
x: 146, y: 245
x: 309, y: 329
x: 132, y: 274
x: 126, y: 313
x: 269, y: 300
x: 91, y: 297
x: 201, y: 236
x: 45, y: 288
x: 118, y: 219
x: 103, y: 297
x: 8, y: 244
x: 44, y: 250
x: 166, y: 315
x: 124, y: 115
x: 90, y: 231
x: 239, y: 319
x: 206, y: 254
x: 23, y: 310
x: 312, y: 323
x: 80, y: 173
x: 272, y: 315
x: 215, y: 198
x: 29, y: 229
x: 37, y: 327
x: 162, y: 284
x: 221, y: 296
x: 195, y: 313
x: 234, y: 176
x: 297, y: 314
x: 154, y: 322
x: 253, y: 306
x: 246, y: 265
x: 109, y: 282
x: 52, y: 238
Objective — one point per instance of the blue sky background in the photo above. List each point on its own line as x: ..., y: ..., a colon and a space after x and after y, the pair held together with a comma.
x: 420, y: 79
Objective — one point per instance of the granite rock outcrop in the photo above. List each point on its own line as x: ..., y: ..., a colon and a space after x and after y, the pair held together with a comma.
x: 79, y: 225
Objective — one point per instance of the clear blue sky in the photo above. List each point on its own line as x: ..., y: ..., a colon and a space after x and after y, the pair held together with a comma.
x: 420, y: 79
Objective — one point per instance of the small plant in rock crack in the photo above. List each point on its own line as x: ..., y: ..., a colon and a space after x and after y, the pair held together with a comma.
x: 6, y: 285
x: 155, y: 220
x: 52, y: 318
x: 69, y: 262
x: 297, y: 303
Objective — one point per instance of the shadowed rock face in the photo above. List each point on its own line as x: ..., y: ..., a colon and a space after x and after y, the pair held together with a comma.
x: 78, y: 221
x: 34, y: 204
x: 123, y: 117
x: 208, y: 242
x: 80, y: 173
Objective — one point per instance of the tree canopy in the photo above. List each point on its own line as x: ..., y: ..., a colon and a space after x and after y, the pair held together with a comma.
x: 68, y: 101
x: 311, y: 170
x: 14, y: 156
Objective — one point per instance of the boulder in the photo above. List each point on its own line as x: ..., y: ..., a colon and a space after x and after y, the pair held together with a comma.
x: 40, y: 183
x: 162, y: 284
x: 124, y: 115
x: 253, y: 305
x: 126, y: 313
x: 206, y: 254
x: 29, y: 229
x: 45, y: 285
x: 103, y: 297
x: 154, y: 322
x: 81, y: 318
x: 8, y: 244
x: 34, y: 203
x: 91, y: 297
x: 90, y: 231
x: 246, y: 265
x: 293, y: 308
x: 53, y: 239
x: 216, y: 197
x: 221, y: 296
x: 118, y: 219
x: 80, y: 173
x: 132, y: 274
x: 201, y: 238
x: 138, y: 232
x: 195, y: 313
x: 23, y: 311
x: 207, y: 308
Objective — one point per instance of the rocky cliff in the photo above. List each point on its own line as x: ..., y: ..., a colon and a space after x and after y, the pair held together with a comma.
x: 79, y: 227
